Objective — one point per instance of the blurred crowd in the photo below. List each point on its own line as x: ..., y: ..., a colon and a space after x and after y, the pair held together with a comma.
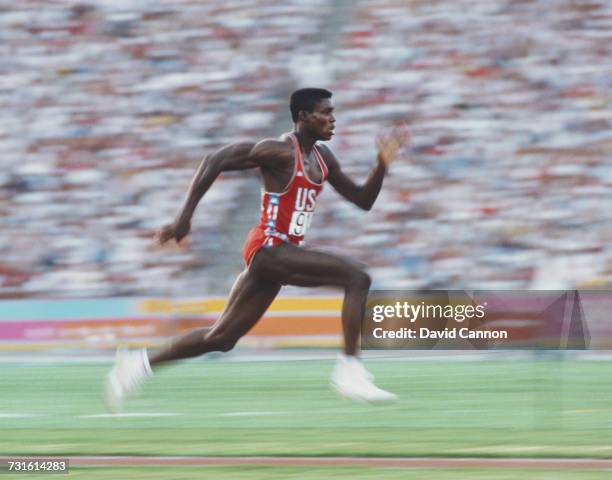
x: 507, y: 183
x: 109, y: 106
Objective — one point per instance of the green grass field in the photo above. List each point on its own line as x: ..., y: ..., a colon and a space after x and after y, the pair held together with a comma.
x: 450, y: 408
x: 290, y: 473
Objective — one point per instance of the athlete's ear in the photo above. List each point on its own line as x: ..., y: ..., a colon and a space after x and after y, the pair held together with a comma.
x: 303, y: 115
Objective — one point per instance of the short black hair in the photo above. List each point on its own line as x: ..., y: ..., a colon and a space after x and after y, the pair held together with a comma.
x: 306, y: 99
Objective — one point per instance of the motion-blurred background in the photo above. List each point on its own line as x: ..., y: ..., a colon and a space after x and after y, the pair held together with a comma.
x: 109, y: 106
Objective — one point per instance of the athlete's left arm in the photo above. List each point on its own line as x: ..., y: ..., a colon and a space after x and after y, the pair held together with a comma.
x: 365, y: 195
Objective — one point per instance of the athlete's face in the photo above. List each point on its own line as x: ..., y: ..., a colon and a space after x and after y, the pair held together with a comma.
x: 321, y: 120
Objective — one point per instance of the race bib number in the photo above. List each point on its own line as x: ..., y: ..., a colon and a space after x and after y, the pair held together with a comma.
x: 300, y: 221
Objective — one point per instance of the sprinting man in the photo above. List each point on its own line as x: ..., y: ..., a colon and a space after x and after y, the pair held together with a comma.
x: 293, y: 169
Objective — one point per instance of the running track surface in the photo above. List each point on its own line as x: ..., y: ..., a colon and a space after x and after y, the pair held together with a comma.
x: 401, y: 462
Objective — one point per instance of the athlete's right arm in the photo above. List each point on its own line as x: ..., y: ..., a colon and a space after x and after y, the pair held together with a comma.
x: 236, y: 156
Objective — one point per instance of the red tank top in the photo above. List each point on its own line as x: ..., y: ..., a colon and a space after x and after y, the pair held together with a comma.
x: 287, y: 215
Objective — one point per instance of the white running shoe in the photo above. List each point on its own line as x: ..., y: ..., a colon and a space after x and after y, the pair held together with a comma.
x: 126, y: 377
x: 351, y: 380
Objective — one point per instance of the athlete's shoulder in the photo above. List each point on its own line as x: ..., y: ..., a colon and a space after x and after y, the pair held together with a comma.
x: 269, y: 151
x: 327, y: 155
x: 274, y: 144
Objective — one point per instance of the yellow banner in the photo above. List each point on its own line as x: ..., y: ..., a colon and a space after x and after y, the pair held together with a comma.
x: 215, y: 305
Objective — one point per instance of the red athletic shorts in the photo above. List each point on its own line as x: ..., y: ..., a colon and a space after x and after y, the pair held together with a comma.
x: 256, y: 240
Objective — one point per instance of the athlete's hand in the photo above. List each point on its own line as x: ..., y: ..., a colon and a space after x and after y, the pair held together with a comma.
x: 389, y: 144
x: 173, y: 231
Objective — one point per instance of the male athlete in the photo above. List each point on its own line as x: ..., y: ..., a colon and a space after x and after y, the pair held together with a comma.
x: 293, y: 170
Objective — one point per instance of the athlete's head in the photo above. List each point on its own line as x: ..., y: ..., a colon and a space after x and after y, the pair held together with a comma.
x: 313, y: 111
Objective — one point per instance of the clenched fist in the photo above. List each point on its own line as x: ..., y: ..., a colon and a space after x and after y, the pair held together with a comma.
x: 176, y: 230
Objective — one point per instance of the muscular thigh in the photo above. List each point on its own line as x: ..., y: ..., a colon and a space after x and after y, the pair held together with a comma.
x: 291, y: 265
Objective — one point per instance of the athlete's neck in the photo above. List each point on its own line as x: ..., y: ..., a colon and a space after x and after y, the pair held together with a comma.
x: 306, y: 141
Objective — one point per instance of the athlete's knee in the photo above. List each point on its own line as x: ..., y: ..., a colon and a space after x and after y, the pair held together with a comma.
x: 228, y: 344
x: 359, y: 280
x: 221, y: 342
